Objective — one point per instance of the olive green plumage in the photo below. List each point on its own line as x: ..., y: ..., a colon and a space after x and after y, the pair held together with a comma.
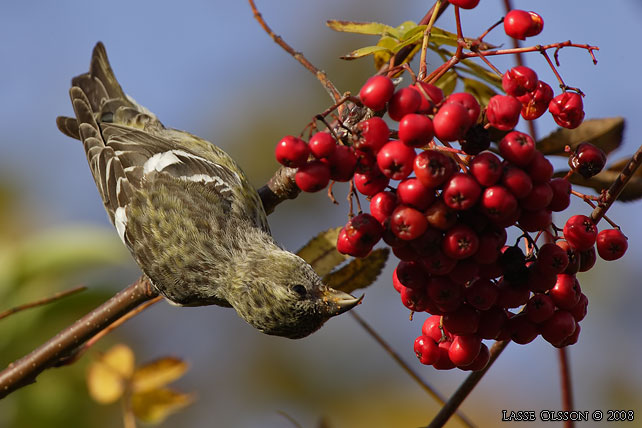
x: 188, y: 214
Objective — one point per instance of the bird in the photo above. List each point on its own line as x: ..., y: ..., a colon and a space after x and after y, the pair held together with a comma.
x: 188, y: 214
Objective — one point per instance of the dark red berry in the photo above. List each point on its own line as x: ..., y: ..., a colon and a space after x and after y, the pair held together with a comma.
x: 611, y: 244
x: 511, y: 295
x: 567, y: 109
x: 539, y: 308
x: 395, y: 160
x: 414, y: 299
x: 537, y: 24
x: 403, y: 102
x: 517, y: 181
x: 433, y: 168
x: 491, y: 323
x: 444, y: 292
x: 292, y: 152
x: 412, y: 192
x: 580, y: 232
x: 440, y: 215
x: 322, y: 145
x: 476, y: 140
x: 587, y: 259
x: 428, y: 243
x: 461, y: 192
x: 518, y: 148
x: 551, y: 259
x: 460, y: 242
x: 538, y: 281
x: 587, y: 160
x: 465, y: 271
x: 539, y: 197
x: 561, y: 194
x: 373, y: 134
x: 376, y: 92
x: 522, y: 329
x: 579, y: 310
x: 558, y: 327
x: 451, y: 122
x: 416, y: 130
x: 534, y: 221
x: 313, y: 176
x: 464, y: 320
x: 519, y: 80
x: 342, y: 163
x: 407, y: 223
x: 573, y: 257
x: 481, y: 361
x: 486, y: 168
x: 411, y: 274
x: 481, y: 294
x: 535, y: 103
x: 438, y: 263
x: 503, y: 112
x: 540, y: 169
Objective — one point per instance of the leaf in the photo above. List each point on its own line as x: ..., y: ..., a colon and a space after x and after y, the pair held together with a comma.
x: 382, y: 57
x: 483, y: 73
x: 158, y: 373
x: 479, y: 89
x: 359, y: 273
x: 403, y: 29
x: 365, y: 51
x: 372, y: 28
x: 155, y: 406
x: 321, y: 251
x: 447, y: 82
x: 631, y: 192
x: 108, y: 375
x: 604, y: 133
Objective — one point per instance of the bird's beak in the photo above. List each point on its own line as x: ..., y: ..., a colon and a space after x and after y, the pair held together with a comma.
x: 339, y: 302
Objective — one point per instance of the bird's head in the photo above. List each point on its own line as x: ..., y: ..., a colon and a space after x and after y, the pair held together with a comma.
x: 285, y: 297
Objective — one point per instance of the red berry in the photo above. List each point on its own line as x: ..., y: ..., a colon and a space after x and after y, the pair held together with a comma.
x: 444, y: 292
x: 566, y: 292
x: 428, y: 243
x: 438, y: 263
x: 431, y: 96
x: 461, y: 192
x: 539, y: 197
x: 481, y: 361
x: 460, y: 242
x: 540, y: 169
x: 498, y: 203
x: 407, y: 223
x: 440, y: 215
x: 373, y: 134
x: 464, y: 349
x: 426, y: 350
x: 587, y: 160
x: 292, y: 152
x: 551, y: 259
x: 404, y: 101
x: 451, y: 122
x: 414, y: 299
x: 382, y: 205
x: 465, y: 4
x: 486, y: 168
x: 476, y: 140
x: 345, y: 246
x: 433, y: 168
x: 587, y: 259
x: 518, y: 148
x: 567, y: 109
x: 491, y: 323
x: 573, y: 257
x: 572, y: 339
x: 561, y: 194
x: 464, y: 320
x: 535, y: 103
x: 371, y: 183
x: 539, y: 308
x: 537, y: 24
x: 538, y: 281
x: 558, y: 327
x: 411, y: 274
x: 364, y: 230
x: 395, y: 160
x: 503, y: 112
x: 534, y: 221
x: 517, y: 181
x: 412, y: 192
x: 481, y: 294
x: 611, y: 244
x: 519, y: 80
x: 433, y: 329
x: 443, y: 362
x: 522, y: 329
x: 579, y: 310
x: 580, y: 232
x: 342, y: 163
x: 376, y: 92
x: 511, y: 295
x: 313, y: 176
x: 416, y: 130
x: 489, y: 245
x: 322, y: 145
x: 520, y: 24
x: 465, y: 271
x: 469, y: 102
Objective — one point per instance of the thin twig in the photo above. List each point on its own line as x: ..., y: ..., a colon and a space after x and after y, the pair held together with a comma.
x: 320, y: 75
x: 57, y: 296
x: 423, y: 65
x: 567, y: 386
x: 395, y: 356
x: 466, y: 387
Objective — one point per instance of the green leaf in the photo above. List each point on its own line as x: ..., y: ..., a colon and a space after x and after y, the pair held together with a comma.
x: 412, y: 32
x: 483, y: 73
x: 383, y: 57
x: 372, y: 28
x: 404, y: 28
x: 365, y: 51
x: 321, y: 252
x: 447, y: 82
x: 604, y: 133
x: 631, y: 192
x: 413, y: 40
x: 479, y: 89
x: 359, y: 273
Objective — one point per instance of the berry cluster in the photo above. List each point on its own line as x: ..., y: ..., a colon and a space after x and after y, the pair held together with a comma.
x: 445, y: 211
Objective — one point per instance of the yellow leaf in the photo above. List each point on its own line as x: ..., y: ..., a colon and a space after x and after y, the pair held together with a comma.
x: 365, y: 51
x: 447, y: 82
x: 359, y: 273
x: 158, y: 373
x: 156, y: 405
x: 321, y: 252
x: 372, y: 28
x: 382, y: 57
x: 479, y: 90
x: 605, y: 133
x: 108, y: 375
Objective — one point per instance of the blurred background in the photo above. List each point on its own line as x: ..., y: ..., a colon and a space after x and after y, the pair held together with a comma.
x: 207, y: 67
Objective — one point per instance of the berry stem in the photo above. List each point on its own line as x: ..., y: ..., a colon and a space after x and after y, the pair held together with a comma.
x: 567, y: 386
x: 423, y: 65
x: 465, y: 388
x: 395, y: 356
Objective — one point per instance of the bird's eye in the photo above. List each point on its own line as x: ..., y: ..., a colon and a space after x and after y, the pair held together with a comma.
x: 300, y: 290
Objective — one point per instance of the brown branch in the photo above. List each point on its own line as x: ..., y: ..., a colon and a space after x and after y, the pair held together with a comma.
x: 320, y: 75
x: 41, y: 302
x: 395, y: 356
x: 567, y: 386
x: 466, y: 387
x: 25, y: 370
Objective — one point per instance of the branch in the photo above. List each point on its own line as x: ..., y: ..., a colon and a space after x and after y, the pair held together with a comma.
x: 25, y: 370
x: 567, y: 386
x: 41, y: 302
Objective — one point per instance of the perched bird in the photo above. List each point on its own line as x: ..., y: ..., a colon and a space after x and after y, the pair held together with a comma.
x: 189, y: 216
